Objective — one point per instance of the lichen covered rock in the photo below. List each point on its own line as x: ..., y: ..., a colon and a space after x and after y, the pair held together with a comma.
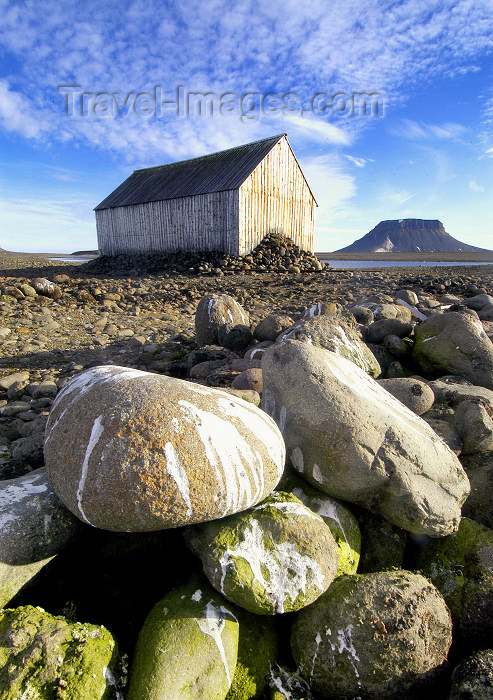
x: 341, y: 522
x: 455, y: 343
x: 258, y: 647
x: 461, y: 567
x: 47, y: 657
x: 379, y: 636
x: 274, y: 558
x: 133, y: 451
x: 187, y: 648
x: 382, y: 544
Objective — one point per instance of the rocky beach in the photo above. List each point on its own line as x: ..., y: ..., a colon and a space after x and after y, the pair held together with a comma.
x: 257, y: 477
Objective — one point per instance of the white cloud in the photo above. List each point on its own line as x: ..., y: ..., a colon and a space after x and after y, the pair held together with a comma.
x: 244, y: 46
x: 359, y: 162
x: 48, y: 225
x: 18, y: 114
x: 333, y: 189
x: 474, y: 187
x: 319, y: 130
x: 416, y: 131
x: 393, y: 197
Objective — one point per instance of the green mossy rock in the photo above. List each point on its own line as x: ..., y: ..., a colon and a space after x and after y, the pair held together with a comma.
x: 288, y: 685
x: 383, y: 544
x: 258, y: 648
x: 479, y: 503
x: 48, y: 658
x: 187, y: 648
x: 341, y: 522
x: 377, y: 636
x: 461, y: 567
x: 274, y: 558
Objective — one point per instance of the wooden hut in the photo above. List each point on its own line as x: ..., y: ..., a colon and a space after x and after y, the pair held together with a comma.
x: 226, y: 201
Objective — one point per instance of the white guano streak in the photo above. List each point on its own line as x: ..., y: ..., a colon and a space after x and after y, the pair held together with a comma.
x: 226, y: 449
x: 258, y: 424
x: 289, y: 571
x: 213, y: 626
x: 176, y: 470
x: 325, y: 508
x: 96, y: 432
x: 344, y: 637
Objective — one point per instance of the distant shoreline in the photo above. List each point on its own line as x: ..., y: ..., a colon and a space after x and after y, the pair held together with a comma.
x: 469, y: 257
x: 424, y: 257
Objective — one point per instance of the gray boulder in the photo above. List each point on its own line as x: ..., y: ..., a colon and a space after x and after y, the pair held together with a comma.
x: 472, y: 679
x: 270, y: 326
x: 479, y: 503
x: 323, y: 308
x: 388, y: 326
x: 35, y: 526
x: 214, y: 311
x: 335, y: 334
x: 461, y: 567
x: 235, y: 337
x: 407, y: 295
x: 362, y: 314
x: 446, y: 432
x: 479, y: 301
x: 187, y: 648
x: 353, y: 440
x: 455, y: 343
x: 132, y: 451
x: 42, y: 656
x: 379, y: 636
x: 451, y: 391
x: 475, y: 427
x: 275, y: 558
x: 46, y: 288
x: 486, y: 313
x: 413, y: 393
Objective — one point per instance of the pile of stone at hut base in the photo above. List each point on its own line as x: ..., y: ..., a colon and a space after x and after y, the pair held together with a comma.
x: 275, y: 253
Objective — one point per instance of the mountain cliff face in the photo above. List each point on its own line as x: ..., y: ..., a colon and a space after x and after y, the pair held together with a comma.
x: 408, y: 236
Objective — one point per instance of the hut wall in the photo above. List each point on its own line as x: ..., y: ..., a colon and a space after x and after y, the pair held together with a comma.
x: 198, y: 222
x: 276, y: 197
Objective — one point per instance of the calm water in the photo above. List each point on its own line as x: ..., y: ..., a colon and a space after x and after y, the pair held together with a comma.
x: 397, y: 263
x: 71, y: 259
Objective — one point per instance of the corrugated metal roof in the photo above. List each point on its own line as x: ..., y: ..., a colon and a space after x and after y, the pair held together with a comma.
x: 225, y: 170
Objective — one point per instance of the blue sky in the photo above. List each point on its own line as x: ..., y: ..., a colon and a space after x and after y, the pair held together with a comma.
x: 428, y: 154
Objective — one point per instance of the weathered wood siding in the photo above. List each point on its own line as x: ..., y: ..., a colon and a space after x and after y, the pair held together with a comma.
x: 198, y: 222
x: 276, y: 197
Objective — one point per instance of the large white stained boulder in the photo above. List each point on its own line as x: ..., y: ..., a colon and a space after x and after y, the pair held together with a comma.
x: 355, y: 441
x: 133, y: 451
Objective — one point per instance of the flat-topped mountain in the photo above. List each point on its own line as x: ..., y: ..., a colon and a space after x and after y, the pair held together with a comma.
x: 409, y: 236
